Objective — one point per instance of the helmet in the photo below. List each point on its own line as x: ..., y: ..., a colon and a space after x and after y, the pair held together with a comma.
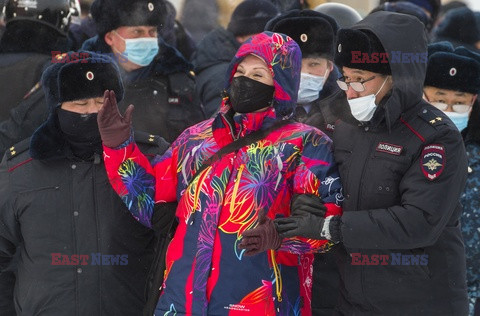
x: 345, y: 15
x: 56, y: 13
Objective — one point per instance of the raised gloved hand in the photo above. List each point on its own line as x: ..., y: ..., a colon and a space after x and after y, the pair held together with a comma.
x: 114, y: 128
x: 308, y: 220
x: 260, y: 238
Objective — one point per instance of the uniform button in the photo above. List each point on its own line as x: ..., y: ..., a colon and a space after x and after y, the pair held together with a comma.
x: 387, y: 189
x: 366, y: 129
x: 425, y: 111
x: 79, y: 270
x: 75, y: 213
x: 74, y: 166
x: 155, y: 92
x: 380, y: 188
x: 348, y: 196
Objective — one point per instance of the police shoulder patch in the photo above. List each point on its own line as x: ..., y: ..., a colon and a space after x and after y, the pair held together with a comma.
x: 432, y: 161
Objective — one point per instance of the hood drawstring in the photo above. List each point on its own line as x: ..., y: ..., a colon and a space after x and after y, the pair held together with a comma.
x: 278, y: 276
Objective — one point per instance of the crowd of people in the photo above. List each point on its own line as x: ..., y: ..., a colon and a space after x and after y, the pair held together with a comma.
x: 254, y: 157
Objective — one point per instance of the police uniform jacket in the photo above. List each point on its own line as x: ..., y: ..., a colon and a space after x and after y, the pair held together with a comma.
x: 402, y: 174
x: 59, y: 208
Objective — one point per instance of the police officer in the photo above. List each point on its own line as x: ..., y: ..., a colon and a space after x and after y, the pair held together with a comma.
x: 33, y: 31
x: 403, y: 168
x: 80, y: 251
x: 452, y: 84
x: 158, y: 79
x: 320, y: 101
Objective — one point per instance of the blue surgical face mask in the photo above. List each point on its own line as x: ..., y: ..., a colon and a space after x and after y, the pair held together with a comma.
x: 140, y: 51
x: 459, y: 119
x: 310, y: 87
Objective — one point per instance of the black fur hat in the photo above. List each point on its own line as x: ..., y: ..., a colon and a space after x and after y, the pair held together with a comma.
x: 453, y: 69
x: 459, y: 25
x: 313, y: 31
x: 250, y: 17
x: 361, y: 49
x: 81, y: 75
x: 111, y: 14
x: 73, y: 76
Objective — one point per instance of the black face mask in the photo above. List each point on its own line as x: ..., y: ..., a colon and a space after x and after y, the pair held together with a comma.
x: 248, y: 95
x: 81, y: 132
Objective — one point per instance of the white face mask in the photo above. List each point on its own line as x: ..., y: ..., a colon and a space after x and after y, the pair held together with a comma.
x: 363, y: 108
x: 310, y: 87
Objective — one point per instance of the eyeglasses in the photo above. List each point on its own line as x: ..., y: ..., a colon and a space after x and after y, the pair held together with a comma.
x: 459, y: 108
x: 357, y: 86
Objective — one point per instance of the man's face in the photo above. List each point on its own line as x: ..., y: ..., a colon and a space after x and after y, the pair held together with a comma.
x: 449, y: 100
x: 372, y: 83
x: 116, y: 40
x: 317, y: 66
x: 86, y: 106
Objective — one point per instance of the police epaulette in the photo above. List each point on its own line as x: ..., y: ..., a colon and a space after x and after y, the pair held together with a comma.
x: 17, y: 149
x: 145, y: 138
x: 432, y: 118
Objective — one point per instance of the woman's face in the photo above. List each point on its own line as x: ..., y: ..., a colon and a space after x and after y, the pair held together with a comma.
x: 255, y: 68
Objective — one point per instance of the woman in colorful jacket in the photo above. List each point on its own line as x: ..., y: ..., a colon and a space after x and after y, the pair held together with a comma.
x: 210, y: 269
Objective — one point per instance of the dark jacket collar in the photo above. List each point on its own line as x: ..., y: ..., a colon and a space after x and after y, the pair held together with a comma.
x: 168, y: 60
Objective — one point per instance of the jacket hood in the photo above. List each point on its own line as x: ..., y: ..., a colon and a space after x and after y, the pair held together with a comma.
x: 283, y: 57
x: 404, y: 39
x: 208, y: 54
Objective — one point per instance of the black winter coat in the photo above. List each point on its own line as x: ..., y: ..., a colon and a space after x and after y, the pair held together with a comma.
x: 402, y: 175
x: 23, y: 119
x: 25, y: 51
x: 19, y: 73
x: 163, y: 92
x: 59, y: 208
x: 211, y: 61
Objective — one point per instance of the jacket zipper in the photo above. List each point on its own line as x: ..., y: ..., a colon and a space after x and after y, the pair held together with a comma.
x: 359, y: 191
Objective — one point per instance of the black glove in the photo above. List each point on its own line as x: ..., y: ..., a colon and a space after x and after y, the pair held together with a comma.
x: 114, y: 128
x: 310, y: 226
x: 307, y: 212
x: 309, y: 203
x: 308, y: 220
x: 260, y: 238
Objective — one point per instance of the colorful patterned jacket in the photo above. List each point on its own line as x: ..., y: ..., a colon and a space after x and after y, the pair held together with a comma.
x: 206, y: 271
